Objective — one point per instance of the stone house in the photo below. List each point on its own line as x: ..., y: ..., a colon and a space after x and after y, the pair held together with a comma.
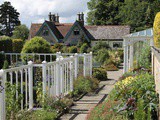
x: 71, y: 33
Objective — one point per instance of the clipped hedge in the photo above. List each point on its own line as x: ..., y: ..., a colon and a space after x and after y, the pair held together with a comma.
x: 5, y: 44
x: 17, y: 45
x: 156, y: 29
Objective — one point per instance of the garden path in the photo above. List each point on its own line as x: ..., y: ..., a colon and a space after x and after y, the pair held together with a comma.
x: 82, y: 107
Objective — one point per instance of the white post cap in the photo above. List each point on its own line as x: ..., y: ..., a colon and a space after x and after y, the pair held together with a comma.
x: 44, y: 62
x: 1, y: 72
x: 30, y: 62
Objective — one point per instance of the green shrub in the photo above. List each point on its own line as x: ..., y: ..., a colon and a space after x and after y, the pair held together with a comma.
x: 100, y: 74
x: 12, y: 104
x: 17, y: 45
x: 57, y: 47
x: 84, y: 84
x: 2, y: 58
x: 100, y: 45
x: 111, y: 67
x: 5, y: 65
x: 65, y: 49
x: 144, y: 60
x: 84, y: 48
x: 156, y: 29
x: 5, y: 44
x: 37, y: 115
x: 36, y: 45
x: 73, y: 49
x: 102, y: 55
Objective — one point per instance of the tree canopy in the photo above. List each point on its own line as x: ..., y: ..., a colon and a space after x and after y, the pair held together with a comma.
x: 21, y: 32
x: 9, y: 18
x: 139, y: 14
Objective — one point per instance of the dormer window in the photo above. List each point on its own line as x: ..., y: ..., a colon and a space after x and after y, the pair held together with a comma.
x: 76, y: 32
x: 45, y: 32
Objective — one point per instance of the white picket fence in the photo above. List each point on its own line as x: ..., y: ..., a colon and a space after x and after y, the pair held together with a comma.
x: 58, y: 77
x: 49, y: 57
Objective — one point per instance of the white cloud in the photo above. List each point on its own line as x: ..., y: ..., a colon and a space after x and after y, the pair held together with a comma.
x: 37, y: 10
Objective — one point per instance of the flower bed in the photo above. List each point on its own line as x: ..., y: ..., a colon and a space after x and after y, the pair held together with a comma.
x: 132, y: 98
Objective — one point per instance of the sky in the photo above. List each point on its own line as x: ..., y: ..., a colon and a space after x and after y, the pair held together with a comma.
x: 36, y: 11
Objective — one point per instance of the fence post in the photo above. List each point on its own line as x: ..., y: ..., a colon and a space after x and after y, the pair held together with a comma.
x: 2, y: 95
x: 58, y: 54
x: 44, y: 76
x: 57, y: 77
x: 61, y: 75
x: 30, y: 72
x: 71, y: 74
x: 90, y: 64
x: 84, y: 65
x: 76, y: 65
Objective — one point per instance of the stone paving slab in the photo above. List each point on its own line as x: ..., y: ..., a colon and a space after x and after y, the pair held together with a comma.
x: 88, y: 102
x: 81, y: 117
x: 83, y: 106
x: 66, y: 117
x: 95, y: 97
x: 107, y: 89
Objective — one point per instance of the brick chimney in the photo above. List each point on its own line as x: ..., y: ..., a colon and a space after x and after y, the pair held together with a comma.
x: 81, y: 18
x: 57, y: 18
x: 53, y: 18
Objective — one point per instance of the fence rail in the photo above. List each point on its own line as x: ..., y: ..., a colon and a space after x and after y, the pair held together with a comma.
x: 57, y: 79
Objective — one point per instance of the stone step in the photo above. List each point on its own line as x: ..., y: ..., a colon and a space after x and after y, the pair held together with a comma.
x: 79, y: 111
x: 66, y: 116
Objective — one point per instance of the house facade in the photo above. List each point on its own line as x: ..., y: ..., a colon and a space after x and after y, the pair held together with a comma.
x: 72, y: 33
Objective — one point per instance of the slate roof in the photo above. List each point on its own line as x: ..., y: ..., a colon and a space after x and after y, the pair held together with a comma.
x: 109, y: 31
x: 93, y: 32
x: 54, y: 29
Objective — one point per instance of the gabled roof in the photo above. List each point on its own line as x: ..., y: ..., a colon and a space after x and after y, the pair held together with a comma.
x: 87, y: 35
x: 108, y: 31
x: 33, y: 30
x: 64, y: 28
x: 54, y: 31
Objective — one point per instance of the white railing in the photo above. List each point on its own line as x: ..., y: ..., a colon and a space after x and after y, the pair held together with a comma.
x: 23, y: 74
x: 57, y: 79
x: 16, y: 57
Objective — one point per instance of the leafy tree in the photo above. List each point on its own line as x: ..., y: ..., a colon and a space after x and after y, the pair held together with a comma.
x: 9, y: 18
x: 139, y: 14
x: 104, y: 12
x: 21, y: 32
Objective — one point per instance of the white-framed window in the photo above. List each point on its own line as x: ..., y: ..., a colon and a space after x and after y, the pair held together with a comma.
x: 117, y: 44
x: 76, y: 32
x: 45, y: 32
